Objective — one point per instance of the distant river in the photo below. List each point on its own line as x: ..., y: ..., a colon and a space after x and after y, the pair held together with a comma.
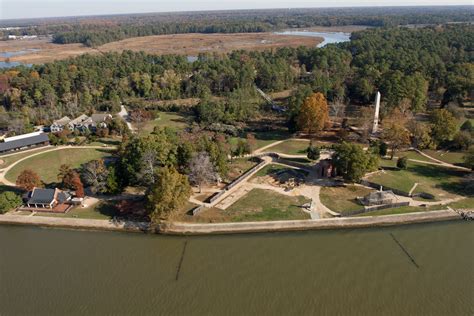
x: 329, y: 37
x: 5, y: 64
x: 333, y: 272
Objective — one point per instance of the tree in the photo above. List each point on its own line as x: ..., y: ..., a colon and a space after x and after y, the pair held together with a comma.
x: 77, y: 185
x: 94, y: 174
x: 467, y: 127
x: 202, y: 170
x: 443, y: 125
x: 28, y: 179
x: 462, y: 140
x: 66, y: 175
x: 469, y: 158
x: 396, y: 136
x: 383, y: 149
x: 314, y: 114
x: 251, y: 143
x: 352, y: 162
x: 167, y: 195
x: 8, y: 201
x: 313, y: 152
x: 402, y: 162
x: 420, y: 134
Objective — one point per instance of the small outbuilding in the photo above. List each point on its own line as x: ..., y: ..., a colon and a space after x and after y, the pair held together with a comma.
x: 49, y: 200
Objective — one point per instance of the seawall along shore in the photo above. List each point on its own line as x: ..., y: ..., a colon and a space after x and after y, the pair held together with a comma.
x: 179, y: 228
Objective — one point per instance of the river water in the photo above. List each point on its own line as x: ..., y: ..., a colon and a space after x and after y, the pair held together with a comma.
x: 329, y: 37
x: 334, y: 272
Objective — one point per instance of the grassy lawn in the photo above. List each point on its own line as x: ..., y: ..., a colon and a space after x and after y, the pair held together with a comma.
x: 410, y: 154
x: 47, y: 164
x: 403, y: 210
x: 239, y: 166
x: 263, y: 138
x: 291, y: 147
x: 265, y: 205
x: 467, y: 203
x: 343, y: 199
x: 452, y: 157
x: 269, y: 169
x: 101, y: 210
x: 165, y: 119
x: 439, y: 181
x: 13, y: 158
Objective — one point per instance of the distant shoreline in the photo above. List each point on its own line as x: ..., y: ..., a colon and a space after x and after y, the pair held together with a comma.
x: 180, y: 228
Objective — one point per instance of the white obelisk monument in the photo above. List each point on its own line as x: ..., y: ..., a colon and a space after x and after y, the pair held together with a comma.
x: 377, y: 112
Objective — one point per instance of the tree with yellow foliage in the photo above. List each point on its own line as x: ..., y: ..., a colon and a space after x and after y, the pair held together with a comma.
x: 314, y: 114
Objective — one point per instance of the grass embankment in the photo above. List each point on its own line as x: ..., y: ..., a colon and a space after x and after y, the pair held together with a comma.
x: 239, y: 166
x: 404, y: 210
x: 47, y: 165
x: 100, y: 210
x: 265, y: 205
x: 6, y: 161
x: 452, y: 157
x: 291, y: 147
x: 165, y: 119
x: 263, y: 138
x: 343, y: 199
x: 439, y: 181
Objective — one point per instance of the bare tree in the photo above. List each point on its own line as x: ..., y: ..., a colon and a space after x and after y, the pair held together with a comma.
x: 202, y: 171
x: 148, y: 163
x: 337, y: 107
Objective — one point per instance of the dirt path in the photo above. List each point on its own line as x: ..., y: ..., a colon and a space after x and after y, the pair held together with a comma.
x: 4, y: 171
x: 437, y: 161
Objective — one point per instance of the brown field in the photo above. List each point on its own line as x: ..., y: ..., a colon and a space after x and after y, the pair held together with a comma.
x: 185, y: 44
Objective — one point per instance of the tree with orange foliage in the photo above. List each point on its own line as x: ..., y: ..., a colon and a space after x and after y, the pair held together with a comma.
x: 314, y: 114
x: 28, y: 179
x: 77, y: 185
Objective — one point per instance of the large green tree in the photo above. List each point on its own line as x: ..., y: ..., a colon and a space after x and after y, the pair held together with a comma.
x: 352, y: 162
x: 167, y: 195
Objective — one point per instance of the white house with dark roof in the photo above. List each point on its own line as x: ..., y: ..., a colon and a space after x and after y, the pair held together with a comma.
x: 48, y: 199
x: 59, y: 125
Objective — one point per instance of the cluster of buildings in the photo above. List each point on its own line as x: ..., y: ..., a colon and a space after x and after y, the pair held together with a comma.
x: 81, y: 123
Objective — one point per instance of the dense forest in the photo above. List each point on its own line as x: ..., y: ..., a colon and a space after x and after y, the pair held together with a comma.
x: 95, y: 31
x: 406, y: 64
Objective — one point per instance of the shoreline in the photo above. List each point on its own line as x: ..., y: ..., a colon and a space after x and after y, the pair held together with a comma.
x: 181, y: 228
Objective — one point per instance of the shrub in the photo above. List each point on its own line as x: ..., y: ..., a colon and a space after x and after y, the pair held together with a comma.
x: 402, y: 162
x: 383, y: 149
x: 8, y: 201
x: 313, y: 152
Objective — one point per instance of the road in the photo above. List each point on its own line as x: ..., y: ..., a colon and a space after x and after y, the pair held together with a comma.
x: 124, y: 115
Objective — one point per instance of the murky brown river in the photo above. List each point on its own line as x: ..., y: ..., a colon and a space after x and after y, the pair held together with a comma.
x: 411, y: 270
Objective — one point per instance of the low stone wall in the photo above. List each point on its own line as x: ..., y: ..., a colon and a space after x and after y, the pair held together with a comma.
x: 177, y: 228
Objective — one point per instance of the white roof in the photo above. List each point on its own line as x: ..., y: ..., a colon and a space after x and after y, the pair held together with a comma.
x: 9, y: 139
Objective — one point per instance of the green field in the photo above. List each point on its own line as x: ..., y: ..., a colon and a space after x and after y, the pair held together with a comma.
x: 239, y: 166
x: 467, y: 203
x: 403, y: 210
x: 411, y: 154
x: 263, y: 138
x: 101, y: 210
x: 439, y: 181
x: 47, y: 164
x: 165, y: 119
x: 343, y: 199
x: 452, y: 157
x: 13, y: 158
x: 265, y: 205
x: 291, y: 147
x: 269, y: 169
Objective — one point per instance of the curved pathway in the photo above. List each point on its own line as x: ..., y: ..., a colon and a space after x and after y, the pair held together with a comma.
x: 4, y: 171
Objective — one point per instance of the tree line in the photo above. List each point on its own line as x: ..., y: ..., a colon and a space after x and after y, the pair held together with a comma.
x: 409, y: 65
